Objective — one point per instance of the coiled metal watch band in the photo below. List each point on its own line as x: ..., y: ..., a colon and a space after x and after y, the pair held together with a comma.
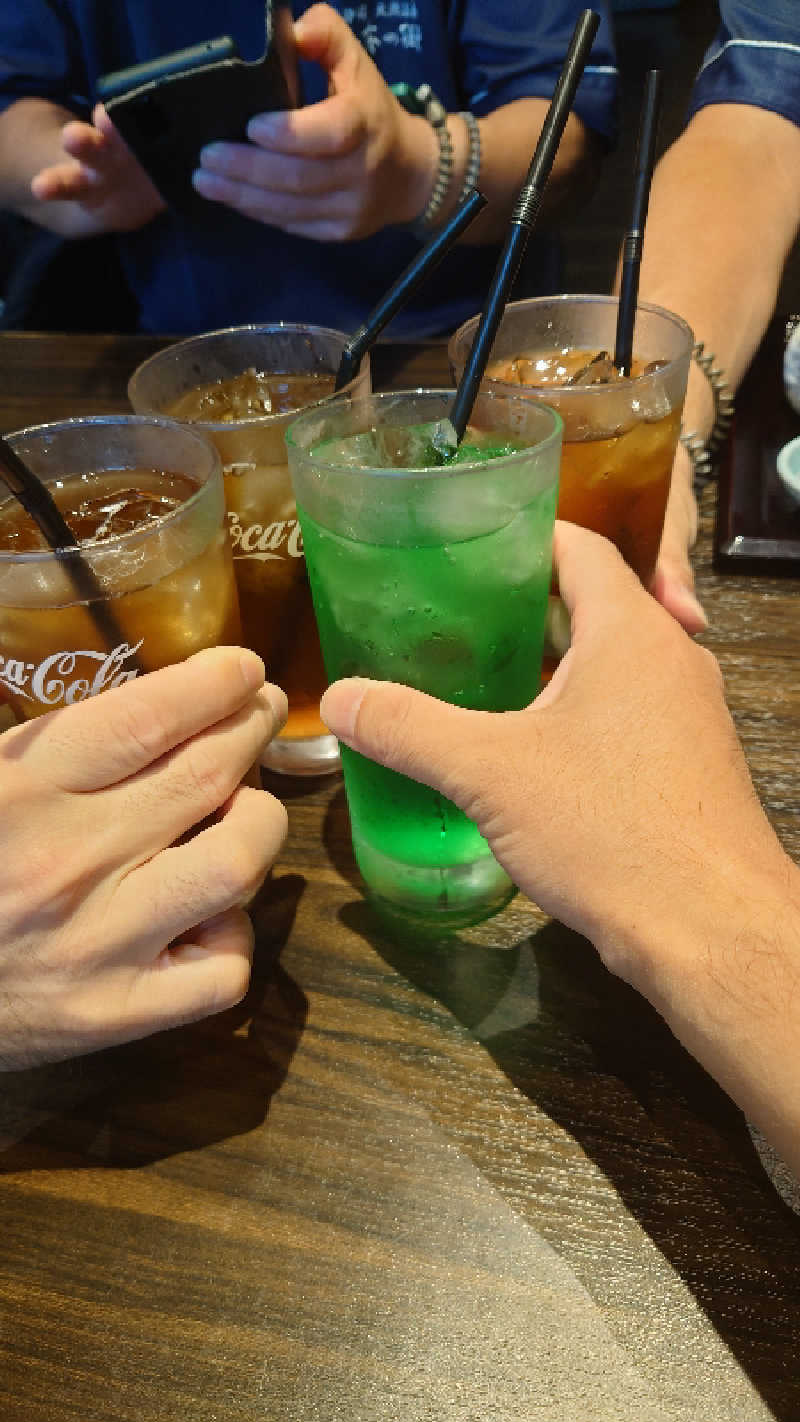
x: 701, y: 451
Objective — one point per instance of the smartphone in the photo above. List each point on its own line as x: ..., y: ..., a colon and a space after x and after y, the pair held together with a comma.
x: 170, y: 107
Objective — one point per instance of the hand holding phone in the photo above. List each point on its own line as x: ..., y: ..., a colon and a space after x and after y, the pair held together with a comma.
x: 168, y: 109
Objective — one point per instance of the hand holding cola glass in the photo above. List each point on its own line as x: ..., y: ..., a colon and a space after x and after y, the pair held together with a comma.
x: 114, y: 921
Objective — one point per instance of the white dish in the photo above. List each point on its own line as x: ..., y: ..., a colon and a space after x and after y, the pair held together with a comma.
x: 791, y: 369
x: 789, y: 466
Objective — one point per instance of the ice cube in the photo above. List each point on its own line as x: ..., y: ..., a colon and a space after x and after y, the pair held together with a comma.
x: 600, y: 370
x: 442, y: 653
x: 653, y: 403
x: 413, y: 446
x: 523, y: 370
x: 355, y: 451
x: 444, y: 439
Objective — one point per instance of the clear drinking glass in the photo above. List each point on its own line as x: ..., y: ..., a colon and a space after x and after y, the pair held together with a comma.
x: 248, y: 431
x: 144, y: 497
x: 619, y: 434
x: 437, y: 577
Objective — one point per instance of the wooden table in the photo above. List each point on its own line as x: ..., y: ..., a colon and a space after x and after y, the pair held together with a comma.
x: 401, y: 1183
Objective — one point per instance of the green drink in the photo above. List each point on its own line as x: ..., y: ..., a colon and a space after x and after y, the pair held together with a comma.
x: 437, y: 577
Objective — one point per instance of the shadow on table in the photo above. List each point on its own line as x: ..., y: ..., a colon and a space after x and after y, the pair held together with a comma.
x: 337, y: 839
x: 592, y: 1055
x: 177, y: 1091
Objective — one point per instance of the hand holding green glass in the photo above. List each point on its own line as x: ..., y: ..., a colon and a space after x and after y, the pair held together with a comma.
x: 436, y: 577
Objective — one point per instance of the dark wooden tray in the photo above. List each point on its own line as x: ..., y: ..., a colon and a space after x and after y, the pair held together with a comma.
x: 758, y: 521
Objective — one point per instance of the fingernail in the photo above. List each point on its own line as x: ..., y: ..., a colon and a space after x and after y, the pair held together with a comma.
x: 253, y: 670
x: 211, y: 151
x: 264, y: 127
x: 341, y: 704
x: 692, y: 610
x: 278, y: 705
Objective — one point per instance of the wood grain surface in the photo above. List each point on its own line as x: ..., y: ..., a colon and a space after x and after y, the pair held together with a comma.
x: 469, y: 1179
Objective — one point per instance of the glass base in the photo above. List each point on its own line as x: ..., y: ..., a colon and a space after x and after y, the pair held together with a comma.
x: 306, y: 755
x: 438, y: 900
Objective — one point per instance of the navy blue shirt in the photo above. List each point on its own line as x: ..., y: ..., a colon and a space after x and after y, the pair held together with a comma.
x: 218, y: 269
x: 755, y: 58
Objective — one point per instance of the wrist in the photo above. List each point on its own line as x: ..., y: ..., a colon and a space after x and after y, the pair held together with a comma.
x: 722, y: 967
x: 420, y: 162
x: 442, y: 165
x: 698, y: 407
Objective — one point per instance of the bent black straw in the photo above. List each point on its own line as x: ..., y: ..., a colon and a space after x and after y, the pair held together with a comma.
x: 523, y: 219
x: 37, y: 501
x: 405, y: 286
x: 634, y: 237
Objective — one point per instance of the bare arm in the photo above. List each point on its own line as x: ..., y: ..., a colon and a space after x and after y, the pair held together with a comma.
x: 724, y: 212
x: 30, y: 139
x: 508, y: 138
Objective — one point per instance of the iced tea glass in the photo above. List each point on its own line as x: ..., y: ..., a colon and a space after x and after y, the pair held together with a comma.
x: 619, y: 434
x: 145, y: 499
x: 437, y: 577
x: 185, y: 381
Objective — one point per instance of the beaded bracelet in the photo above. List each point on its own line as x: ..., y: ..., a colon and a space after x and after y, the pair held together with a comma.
x: 701, y: 451
x: 436, y: 114
x: 473, y: 170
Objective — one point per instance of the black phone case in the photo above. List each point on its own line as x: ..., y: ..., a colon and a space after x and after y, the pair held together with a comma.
x: 167, y: 110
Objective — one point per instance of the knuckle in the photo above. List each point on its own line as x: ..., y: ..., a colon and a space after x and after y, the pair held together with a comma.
x: 712, y: 668
x: 249, y: 167
x: 57, y: 887
x: 135, y: 722
x: 210, y: 778
x: 252, y: 203
x: 230, y: 985
x: 294, y: 179
x: 348, y: 132
x: 240, y: 867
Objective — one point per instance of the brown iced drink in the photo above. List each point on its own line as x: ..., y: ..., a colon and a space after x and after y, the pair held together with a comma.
x: 170, y: 582
x: 616, y: 461
x: 250, y: 395
x: 277, y: 616
x: 241, y: 388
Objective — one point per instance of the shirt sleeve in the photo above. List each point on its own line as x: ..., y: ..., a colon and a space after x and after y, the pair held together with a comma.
x: 515, y: 50
x: 40, y: 55
x: 754, y: 59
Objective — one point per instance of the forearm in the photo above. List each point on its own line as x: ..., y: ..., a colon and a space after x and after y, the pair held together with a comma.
x: 30, y: 140
x: 508, y: 138
x: 724, y: 212
x: 727, y: 980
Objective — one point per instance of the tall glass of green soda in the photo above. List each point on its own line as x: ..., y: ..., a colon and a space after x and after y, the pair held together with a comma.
x: 431, y: 569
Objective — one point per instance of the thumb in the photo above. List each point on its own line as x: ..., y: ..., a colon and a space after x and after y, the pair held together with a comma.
x: 113, y: 142
x: 323, y: 36
x: 408, y: 731
x: 673, y: 587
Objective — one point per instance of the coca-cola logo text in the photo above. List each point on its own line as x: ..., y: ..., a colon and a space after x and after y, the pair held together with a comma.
x: 282, y: 539
x: 50, y: 683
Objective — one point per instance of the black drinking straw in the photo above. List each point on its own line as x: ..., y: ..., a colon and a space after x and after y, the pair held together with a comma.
x: 634, y: 237
x: 523, y: 219
x: 38, y: 502
x: 405, y: 286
